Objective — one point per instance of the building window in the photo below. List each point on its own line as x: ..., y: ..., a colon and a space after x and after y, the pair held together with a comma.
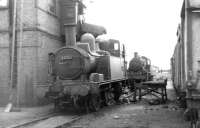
x: 52, y: 6
x: 3, y: 3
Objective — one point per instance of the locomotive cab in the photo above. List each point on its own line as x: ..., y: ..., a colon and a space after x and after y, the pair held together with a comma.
x: 111, y: 65
x: 111, y: 45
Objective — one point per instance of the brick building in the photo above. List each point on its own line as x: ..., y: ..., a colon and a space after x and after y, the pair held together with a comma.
x: 38, y: 28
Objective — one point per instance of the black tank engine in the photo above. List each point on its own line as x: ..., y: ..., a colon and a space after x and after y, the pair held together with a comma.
x: 88, y: 74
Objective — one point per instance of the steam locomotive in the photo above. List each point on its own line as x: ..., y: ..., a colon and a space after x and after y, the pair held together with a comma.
x: 89, y: 74
x: 139, y: 69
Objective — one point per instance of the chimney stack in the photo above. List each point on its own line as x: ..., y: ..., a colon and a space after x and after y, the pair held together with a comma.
x: 69, y: 14
x: 135, y: 54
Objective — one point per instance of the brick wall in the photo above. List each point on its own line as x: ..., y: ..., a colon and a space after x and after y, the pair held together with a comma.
x: 29, y: 13
x: 4, y: 56
x: 37, y: 44
x: 47, y: 44
x: 47, y: 20
x: 41, y: 35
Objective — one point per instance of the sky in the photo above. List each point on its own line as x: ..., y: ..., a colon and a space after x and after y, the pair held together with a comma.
x: 3, y: 2
x: 144, y: 26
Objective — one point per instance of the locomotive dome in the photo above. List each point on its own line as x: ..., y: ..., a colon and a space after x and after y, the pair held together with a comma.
x: 88, y: 38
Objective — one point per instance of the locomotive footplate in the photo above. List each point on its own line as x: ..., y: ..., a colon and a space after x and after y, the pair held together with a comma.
x: 155, y: 88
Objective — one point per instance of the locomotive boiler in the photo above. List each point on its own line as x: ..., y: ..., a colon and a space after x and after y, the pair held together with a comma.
x: 74, y: 62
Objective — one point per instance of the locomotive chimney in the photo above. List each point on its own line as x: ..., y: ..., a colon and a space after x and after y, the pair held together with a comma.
x: 70, y: 35
x: 69, y: 11
x: 135, y: 54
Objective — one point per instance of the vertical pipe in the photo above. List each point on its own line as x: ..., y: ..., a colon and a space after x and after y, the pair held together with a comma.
x: 13, y: 43
x: 12, y: 70
x: 20, y: 51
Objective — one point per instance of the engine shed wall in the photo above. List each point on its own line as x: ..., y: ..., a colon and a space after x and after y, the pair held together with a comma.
x: 41, y: 35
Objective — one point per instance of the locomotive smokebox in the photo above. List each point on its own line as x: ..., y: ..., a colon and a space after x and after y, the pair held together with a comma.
x: 69, y: 12
x: 72, y: 62
x: 75, y: 62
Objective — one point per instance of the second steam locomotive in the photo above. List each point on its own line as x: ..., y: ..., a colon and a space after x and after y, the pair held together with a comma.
x: 139, y: 69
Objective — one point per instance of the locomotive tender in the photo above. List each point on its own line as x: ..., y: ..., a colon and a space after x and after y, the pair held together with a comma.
x: 88, y: 74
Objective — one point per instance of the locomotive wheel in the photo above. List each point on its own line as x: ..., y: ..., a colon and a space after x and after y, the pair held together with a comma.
x: 109, y: 98
x: 95, y: 102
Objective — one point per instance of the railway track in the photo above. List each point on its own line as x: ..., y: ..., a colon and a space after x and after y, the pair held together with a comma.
x: 54, y: 120
x: 49, y: 121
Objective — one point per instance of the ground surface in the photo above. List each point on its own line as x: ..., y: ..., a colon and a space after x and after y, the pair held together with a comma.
x: 24, y: 115
x: 135, y: 116
x: 139, y: 115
